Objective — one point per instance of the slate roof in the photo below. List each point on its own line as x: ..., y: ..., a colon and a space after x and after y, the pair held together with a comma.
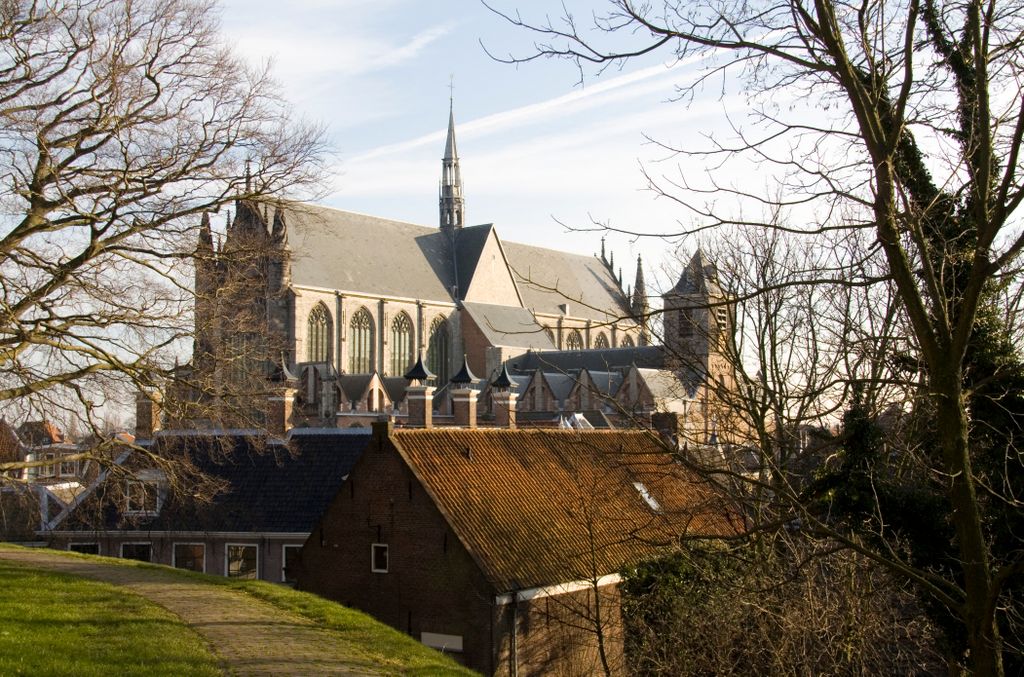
x: 537, y: 507
x: 509, y: 326
x: 271, y: 488
x: 668, y: 385
x: 469, y: 243
x: 583, y: 282
x: 591, y: 360
x: 699, y: 277
x: 605, y: 382
x: 335, y: 249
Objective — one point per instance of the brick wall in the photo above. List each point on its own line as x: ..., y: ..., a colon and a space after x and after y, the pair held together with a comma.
x: 432, y: 584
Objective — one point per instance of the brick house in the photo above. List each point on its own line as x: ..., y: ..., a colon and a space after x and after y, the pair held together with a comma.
x: 503, y: 546
x: 270, y: 494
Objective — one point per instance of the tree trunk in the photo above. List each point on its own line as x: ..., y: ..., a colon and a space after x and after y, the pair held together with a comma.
x: 977, y: 611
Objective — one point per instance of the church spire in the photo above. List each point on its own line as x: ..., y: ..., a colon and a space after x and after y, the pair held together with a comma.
x: 638, y: 305
x: 452, y: 205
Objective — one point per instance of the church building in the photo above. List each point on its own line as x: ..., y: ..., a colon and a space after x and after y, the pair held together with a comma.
x: 343, y: 304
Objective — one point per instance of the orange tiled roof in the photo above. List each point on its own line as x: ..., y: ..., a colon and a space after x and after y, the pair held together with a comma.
x: 539, y: 507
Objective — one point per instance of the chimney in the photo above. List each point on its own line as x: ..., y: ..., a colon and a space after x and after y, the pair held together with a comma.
x: 464, y: 404
x: 503, y: 400
x: 419, y: 396
x: 279, y: 411
x: 464, y: 396
x: 147, y: 415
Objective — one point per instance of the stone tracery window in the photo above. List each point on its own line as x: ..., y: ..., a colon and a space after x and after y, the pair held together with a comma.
x: 601, y: 341
x: 626, y: 342
x: 574, y: 341
x: 360, y: 340
x: 438, y: 350
x: 401, y: 345
x: 319, y: 334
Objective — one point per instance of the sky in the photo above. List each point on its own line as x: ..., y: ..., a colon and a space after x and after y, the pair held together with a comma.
x: 540, y: 153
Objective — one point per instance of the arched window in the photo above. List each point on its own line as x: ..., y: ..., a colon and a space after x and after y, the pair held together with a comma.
x: 574, y: 341
x: 360, y: 343
x: 318, y: 334
x: 626, y: 342
x: 401, y: 345
x: 437, y: 350
x: 601, y: 341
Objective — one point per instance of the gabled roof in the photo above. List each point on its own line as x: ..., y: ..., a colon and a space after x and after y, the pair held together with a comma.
x: 539, y: 507
x: 381, y: 257
x: 699, y: 277
x: 355, y: 386
x: 664, y: 384
x: 40, y: 433
x: 560, y: 384
x: 508, y: 326
x: 267, y: 488
x: 547, y: 278
x: 604, y: 382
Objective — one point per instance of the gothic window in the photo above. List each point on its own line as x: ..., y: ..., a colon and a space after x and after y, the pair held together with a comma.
x: 319, y: 334
x: 401, y: 345
x: 626, y: 342
x: 574, y: 341
x: 601, y: 341
x: 360, y: 343
x: 437, y: 350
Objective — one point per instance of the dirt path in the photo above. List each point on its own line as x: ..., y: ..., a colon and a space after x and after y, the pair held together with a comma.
x: 249, y: 636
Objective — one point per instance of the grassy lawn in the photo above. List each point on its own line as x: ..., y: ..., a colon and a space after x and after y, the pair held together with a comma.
x: 52, y: 624
x: 366, y: 640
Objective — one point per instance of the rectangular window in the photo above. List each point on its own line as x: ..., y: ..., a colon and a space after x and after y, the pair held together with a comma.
x: 379, y: 558
x: 441, y: 642
x: 289, y: 562
x: 50, y: 468
x: 241, y: 561
x: 68, y: 468
x: 142, y: 498
x: 85, y: 548
x: 140, y: 551
x: 191, y: 556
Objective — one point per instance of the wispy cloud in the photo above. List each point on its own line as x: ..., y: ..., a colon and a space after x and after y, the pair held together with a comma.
x: 624, y: 86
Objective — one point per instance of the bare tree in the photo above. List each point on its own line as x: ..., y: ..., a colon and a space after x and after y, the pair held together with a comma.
x: 914, y: 138
x: 123, y: 123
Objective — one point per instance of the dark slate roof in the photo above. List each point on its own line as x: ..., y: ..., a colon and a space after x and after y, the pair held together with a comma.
x: 561, y: 384
x: 418, y: 371
x: 469, y: 242
x: 591, y: 360
x: 515, y: 501
x: 503, y: 379
x: 395, y: 387
x: 381, y: 257
x: 583, y: 282
x: 465, y: 375
x: 509, y: 326
x: 267, y: 487
x: 699, y: 277
x: 605, y: 382
x: 354, y: 386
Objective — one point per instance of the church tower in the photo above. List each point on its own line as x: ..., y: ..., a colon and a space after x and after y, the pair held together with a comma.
x: 452, y: 204
x: 698, y: 319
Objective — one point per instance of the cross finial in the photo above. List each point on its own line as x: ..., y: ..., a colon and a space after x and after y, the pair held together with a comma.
x: 451, y: 88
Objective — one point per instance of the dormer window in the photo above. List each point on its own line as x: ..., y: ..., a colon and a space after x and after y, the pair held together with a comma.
x: 142, y: 497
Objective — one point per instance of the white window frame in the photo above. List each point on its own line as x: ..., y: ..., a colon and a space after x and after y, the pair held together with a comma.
x: 373, y: 558
x: 174, y: 553
x: 72, y: 464
x: 99, y: 549
x: 149, y: 543
x: 150, y: 486
x: 227, y: 548
x: 284, y: 559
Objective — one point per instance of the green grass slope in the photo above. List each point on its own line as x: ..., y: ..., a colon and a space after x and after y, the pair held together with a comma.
x: 52, y: 624
x: 365, y: 639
